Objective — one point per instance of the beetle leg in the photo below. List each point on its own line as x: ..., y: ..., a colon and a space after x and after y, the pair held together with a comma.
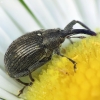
x: 57, y: 51
x: 69, y: 38
x: 81, y: 37
x: 21, y: 91
x: 31, y: 78
x: 73, y: 63
x: 22, y: 82
x: 26, y: 84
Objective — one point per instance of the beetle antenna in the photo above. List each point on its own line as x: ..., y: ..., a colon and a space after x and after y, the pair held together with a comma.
x: 72, y: 23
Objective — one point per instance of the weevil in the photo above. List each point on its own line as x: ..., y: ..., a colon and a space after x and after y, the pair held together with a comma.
x: 34, y: 49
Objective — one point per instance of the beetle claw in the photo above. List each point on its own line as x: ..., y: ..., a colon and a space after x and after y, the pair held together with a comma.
x: 21, y: 91
x: 73, y: 63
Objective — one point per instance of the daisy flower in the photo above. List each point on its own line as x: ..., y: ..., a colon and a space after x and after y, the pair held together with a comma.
x: 56, y: 80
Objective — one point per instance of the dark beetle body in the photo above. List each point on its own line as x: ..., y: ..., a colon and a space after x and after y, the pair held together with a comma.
x: 26, y: 53
x: 32, y: 50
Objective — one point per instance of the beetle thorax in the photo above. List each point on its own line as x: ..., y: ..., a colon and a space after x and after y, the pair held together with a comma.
x: 52, y: 40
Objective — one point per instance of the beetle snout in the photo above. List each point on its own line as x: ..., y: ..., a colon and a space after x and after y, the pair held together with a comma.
x: 93, y: 33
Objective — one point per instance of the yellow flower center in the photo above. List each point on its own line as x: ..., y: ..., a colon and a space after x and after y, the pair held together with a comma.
x: 60, y: 82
